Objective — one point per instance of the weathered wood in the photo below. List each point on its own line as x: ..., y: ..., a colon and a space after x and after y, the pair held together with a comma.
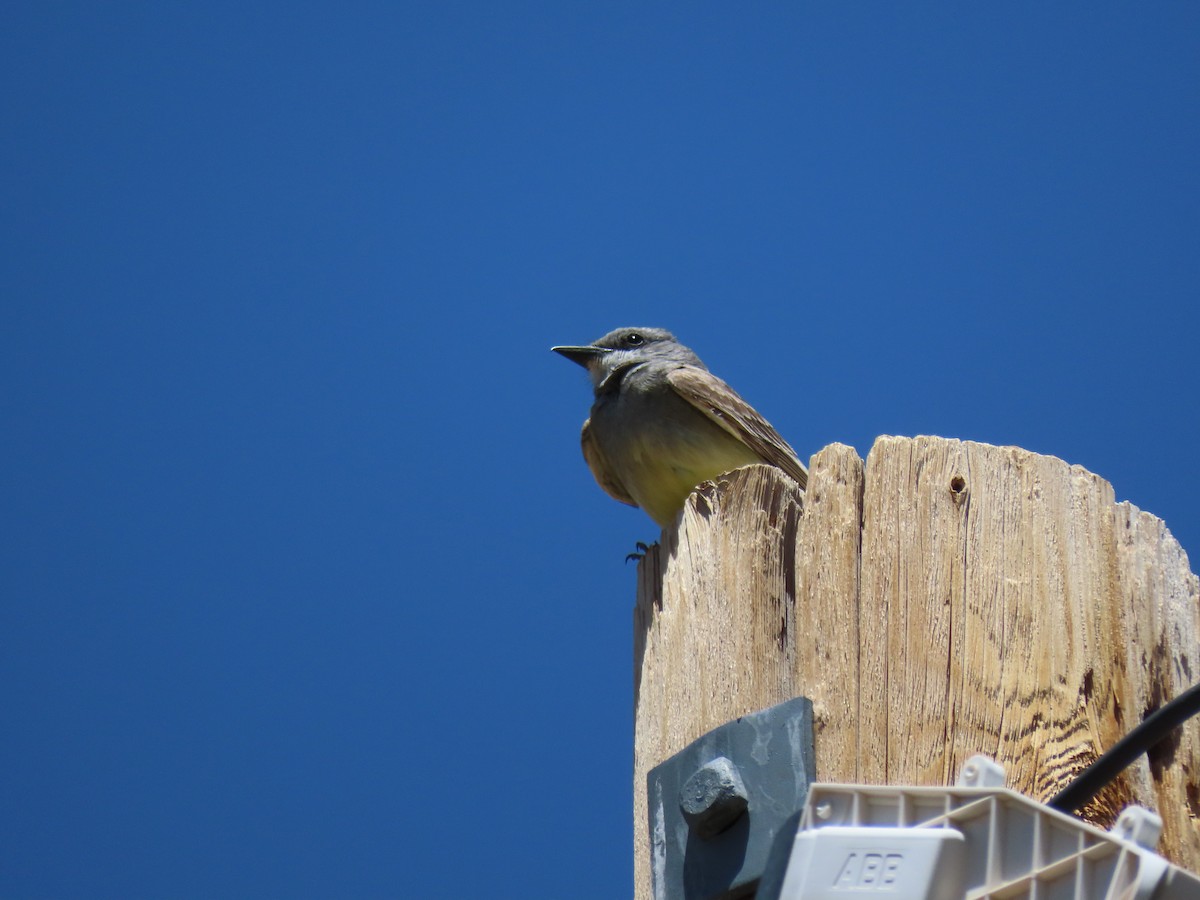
x: 828, y: 659
x: 714, y: 622
x: 715, y: 625
x: 954, y: 598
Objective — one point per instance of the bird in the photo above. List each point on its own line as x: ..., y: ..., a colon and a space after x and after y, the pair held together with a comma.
x: 661, y: 423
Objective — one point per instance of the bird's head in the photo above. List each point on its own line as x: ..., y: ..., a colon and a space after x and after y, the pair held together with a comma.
x: 621, y: 350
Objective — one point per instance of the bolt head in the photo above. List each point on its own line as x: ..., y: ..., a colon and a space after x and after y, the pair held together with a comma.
x: 713, y: 798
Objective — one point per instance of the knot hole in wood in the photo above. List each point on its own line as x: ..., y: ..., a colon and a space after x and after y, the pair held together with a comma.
x: 958, y: 488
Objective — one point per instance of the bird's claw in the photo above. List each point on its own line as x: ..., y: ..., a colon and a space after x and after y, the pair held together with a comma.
x: 639, y: 553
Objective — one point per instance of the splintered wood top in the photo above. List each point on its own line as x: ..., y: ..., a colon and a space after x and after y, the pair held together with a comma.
x: 947, y: 599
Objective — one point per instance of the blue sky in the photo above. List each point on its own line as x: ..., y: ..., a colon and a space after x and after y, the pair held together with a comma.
x: 307, y: 591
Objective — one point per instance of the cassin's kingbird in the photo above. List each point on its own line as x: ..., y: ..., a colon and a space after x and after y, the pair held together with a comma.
x: 662, y: 423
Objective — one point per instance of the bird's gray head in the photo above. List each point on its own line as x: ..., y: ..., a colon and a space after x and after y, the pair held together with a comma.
x: 623, y: 350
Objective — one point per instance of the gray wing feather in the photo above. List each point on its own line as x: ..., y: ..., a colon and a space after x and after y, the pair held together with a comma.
x: 721, y: 403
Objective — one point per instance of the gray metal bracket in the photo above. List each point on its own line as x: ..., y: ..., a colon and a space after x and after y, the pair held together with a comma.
x: 716, y: 805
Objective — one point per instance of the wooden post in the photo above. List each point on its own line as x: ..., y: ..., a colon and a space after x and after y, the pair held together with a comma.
x: 955, y: 598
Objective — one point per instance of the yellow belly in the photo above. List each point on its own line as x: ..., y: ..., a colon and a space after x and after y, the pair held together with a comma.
x: 660, y: 472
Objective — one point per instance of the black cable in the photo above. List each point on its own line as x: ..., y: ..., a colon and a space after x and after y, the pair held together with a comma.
x: 1112, y: 761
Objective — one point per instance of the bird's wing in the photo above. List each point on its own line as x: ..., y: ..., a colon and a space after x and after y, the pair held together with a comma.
x: 601, y: 470
x: 717, y: 400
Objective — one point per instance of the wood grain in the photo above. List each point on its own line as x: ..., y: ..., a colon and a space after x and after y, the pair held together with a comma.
x: 946, y: 599
x: 714, y: 620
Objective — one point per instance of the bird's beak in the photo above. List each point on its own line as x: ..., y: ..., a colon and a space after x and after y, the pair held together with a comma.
x: 582, y: 355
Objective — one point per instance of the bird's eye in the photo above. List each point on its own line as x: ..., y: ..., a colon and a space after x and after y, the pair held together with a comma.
x: 634, y: 340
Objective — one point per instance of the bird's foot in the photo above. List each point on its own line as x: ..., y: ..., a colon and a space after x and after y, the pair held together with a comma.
x: 640, y: 552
